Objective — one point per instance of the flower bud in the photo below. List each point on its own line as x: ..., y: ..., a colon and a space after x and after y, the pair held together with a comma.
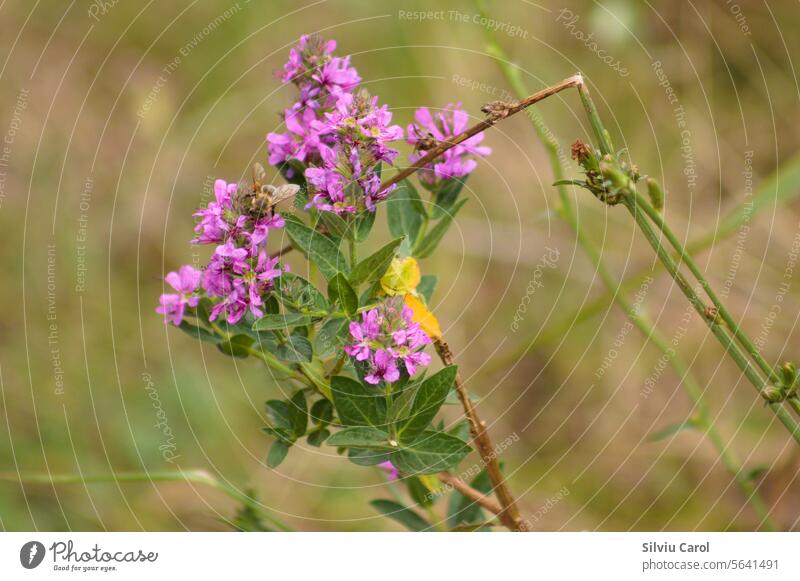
x: 789, y: 374
x: 772, y: 394
x: 656, y: 194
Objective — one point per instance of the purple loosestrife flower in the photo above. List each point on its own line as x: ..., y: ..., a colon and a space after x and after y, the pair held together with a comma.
x: 321, y: 79
x: 185, y: 281
x: 429, y: 130
x: 346, y: 181
x: 385, y: 339
x: 392, y: 473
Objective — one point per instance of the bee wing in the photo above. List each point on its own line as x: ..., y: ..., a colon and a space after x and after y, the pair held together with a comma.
x: 259, y: 174
x: 284, y: 192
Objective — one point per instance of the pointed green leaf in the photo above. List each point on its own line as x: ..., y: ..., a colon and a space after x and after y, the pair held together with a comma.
x: 463, y: 510
x: 298, y: 414
x: 277, y: 453
x: 200, y: 333
x: 402, y: 514
x: 405, y: 211
x: 426, y: 286
x: 364, y: 223
x: 282, y: 321
x: 446, y: 197
x: 340, y: 291
x: 318, y: 437
x: 432, y: 238
x: 429, y: 397
x: 374, y: 266
x: 358, y: 404
x: 360, y: 437
x: 320, y: 249
x: 296, y: 348
x: 237, y: 346
x: 430, y: 453
x: 363, y: 457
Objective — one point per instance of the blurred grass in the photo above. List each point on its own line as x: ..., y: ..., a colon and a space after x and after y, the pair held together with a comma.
x: 87, y: 80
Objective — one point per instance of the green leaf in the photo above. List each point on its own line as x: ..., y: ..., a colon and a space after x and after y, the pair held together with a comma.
x: 318, y: 437
x: 426, y: 286
x: 364, y: 223
x: 402, y: 404
x: 335, y: 224
x: 299, y: 294
x: 203, y: 309
x: 374, y: 266
x: 671, y: 430
x: 283, y: 321
x: 277, y: 453
x: 419, y: 492
x: 200, y: 333
x: 463, y: 510
x: 358, y: 404
x: 340, y: 291
x: 429, y: 397
x: 320, y: 249
x: 430, y: 453
x: 296, y: 348
x: 278, y: 414
x: 322, y: 412
x: 432, y: 238
x: 402, y: 514
x: 360, y: 437
x: 446, y: 197
x: 237, y: 346
x: 364, y: 457
x: 331, y: 337
x: 405, y: 211
x: 298, y: 414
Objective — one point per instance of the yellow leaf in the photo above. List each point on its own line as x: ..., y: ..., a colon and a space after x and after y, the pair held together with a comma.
x: 402, y: 277
x: 422, y: 315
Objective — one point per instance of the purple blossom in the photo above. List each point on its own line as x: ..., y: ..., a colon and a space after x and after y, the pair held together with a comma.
x: 322, y: 79
x: 185, y: 281
x: 385, y: 338
x: 430, y: 129
x: 392, y: 473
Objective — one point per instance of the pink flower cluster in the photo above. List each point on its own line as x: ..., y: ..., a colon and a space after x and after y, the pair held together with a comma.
x: 385, y: 338
x: 321, y: 79
x: 429, y: 130
x: 342, y: 134
x: 240, y: 272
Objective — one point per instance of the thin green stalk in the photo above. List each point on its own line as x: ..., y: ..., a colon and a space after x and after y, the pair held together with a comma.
x: 353, y: 252
x: 684, y: 256
x: 648, y: 329
x: 192, y: 476
x: 634, y: 203
x: 727, y: 340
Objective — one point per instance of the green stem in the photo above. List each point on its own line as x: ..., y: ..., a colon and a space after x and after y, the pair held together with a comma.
x: 731, y: 348
x: 684, y: 256
x: 192, y: 476
x: 353, y: 252
x: 642, y: 323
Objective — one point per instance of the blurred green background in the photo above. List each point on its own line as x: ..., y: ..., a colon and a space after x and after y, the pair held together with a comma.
x: 116, y: 118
